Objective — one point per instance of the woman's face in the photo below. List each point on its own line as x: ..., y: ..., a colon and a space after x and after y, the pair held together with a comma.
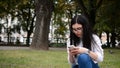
x: 77, y: 29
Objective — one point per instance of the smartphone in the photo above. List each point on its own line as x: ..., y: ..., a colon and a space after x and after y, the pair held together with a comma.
x: 71, y: 46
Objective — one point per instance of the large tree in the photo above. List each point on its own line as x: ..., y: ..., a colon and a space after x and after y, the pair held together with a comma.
x: 89, y: 9
x: 43, y: 10
x: 26, y: 16
x: 108, y: 20
x: 112, y: 15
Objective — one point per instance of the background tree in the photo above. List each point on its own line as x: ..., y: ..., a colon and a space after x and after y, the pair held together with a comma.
x: 26, y: 15
x: 100, y: 13
x: 64, y: 10
x: 58, y: 21
x: 109, y: 12
x: 89, y: 9
x: 7, y: 11
x: 23, y: 11
x: 43, y: 10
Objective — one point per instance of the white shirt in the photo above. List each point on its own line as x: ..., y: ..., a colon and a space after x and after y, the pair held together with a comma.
x: 94, y: 47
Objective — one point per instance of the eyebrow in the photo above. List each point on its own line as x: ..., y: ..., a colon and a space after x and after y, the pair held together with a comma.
x: 77, y: 27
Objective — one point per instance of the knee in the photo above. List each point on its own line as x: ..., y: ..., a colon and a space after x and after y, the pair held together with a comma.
x: 83, y: 58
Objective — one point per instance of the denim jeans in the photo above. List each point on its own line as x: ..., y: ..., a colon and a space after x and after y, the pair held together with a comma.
x: 85, y: 61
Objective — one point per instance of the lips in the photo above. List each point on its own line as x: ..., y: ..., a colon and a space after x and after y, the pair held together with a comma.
x: 79, y: 35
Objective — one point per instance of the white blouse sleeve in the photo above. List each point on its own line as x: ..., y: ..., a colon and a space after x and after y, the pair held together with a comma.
x: 68, y: 45
x: 97, y: 48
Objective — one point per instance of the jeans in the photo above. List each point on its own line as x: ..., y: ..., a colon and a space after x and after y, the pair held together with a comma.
x: 85, y: 61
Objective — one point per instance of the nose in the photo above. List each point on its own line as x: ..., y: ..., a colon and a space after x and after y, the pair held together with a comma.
x: 77, y: 33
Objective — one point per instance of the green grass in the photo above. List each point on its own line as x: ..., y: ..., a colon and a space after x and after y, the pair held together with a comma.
x: 111, y: 60
x: 49, y: 59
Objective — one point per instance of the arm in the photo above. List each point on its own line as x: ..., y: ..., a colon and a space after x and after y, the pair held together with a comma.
x: 71, y: 58
x: 80, y: 50
x: 97, y: 56
x: 93, y: 55
x: 96, y: 53
x: 96, y: 48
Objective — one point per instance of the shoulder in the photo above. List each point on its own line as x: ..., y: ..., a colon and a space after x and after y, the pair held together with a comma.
x: 96, y: 37
x: 68, y: 42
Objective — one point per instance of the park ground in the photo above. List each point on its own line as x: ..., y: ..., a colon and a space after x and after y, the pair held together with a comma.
x: 24, y: 57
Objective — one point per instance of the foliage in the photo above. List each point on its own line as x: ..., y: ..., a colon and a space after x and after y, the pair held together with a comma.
x: 89, y: 8
x: 26, y: 16
x: 102, y: 26
x: 104, y: 14
x: 109, y: 17
x: 22, y: 10
x: 63, y: 12
x: 9, y: 6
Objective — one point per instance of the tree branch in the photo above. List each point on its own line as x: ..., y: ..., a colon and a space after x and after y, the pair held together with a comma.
x: 99, y: 4
x: 83, y: 8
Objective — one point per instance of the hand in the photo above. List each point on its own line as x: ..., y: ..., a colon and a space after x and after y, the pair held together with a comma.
x: 78, y: 50
x: 70, y: 51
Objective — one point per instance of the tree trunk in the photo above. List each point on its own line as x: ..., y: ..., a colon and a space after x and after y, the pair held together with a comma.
x: 43, y: 16
x: 113, y: 39
x: 30, y: 31
x: 28, y: 38
x: 8, y: 31
x: 91, y: 11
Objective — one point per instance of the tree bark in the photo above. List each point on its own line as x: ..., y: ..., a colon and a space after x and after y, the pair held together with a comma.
x: 90, y: 12
x: 113, y: 39
x: 43, y: 10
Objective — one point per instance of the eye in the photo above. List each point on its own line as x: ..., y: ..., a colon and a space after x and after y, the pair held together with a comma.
x: 80, y: 28
x: 74, y: 29
x: 77, y: 29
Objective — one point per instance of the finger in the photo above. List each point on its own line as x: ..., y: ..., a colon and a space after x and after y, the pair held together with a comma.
x: 74, y: 51
x: 76, y: 48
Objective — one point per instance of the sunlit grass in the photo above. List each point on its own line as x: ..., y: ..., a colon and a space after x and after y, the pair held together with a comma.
x: 49, y: 59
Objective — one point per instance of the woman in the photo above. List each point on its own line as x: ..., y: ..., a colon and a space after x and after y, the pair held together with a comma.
x: 87, y: 51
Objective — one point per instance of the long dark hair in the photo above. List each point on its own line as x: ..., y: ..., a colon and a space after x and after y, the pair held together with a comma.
x: 87, y: 32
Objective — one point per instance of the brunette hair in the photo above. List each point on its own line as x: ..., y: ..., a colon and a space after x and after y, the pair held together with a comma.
x: 87, y: 32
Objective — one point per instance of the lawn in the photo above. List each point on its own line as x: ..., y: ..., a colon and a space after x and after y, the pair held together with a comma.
x: 49, y: 59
